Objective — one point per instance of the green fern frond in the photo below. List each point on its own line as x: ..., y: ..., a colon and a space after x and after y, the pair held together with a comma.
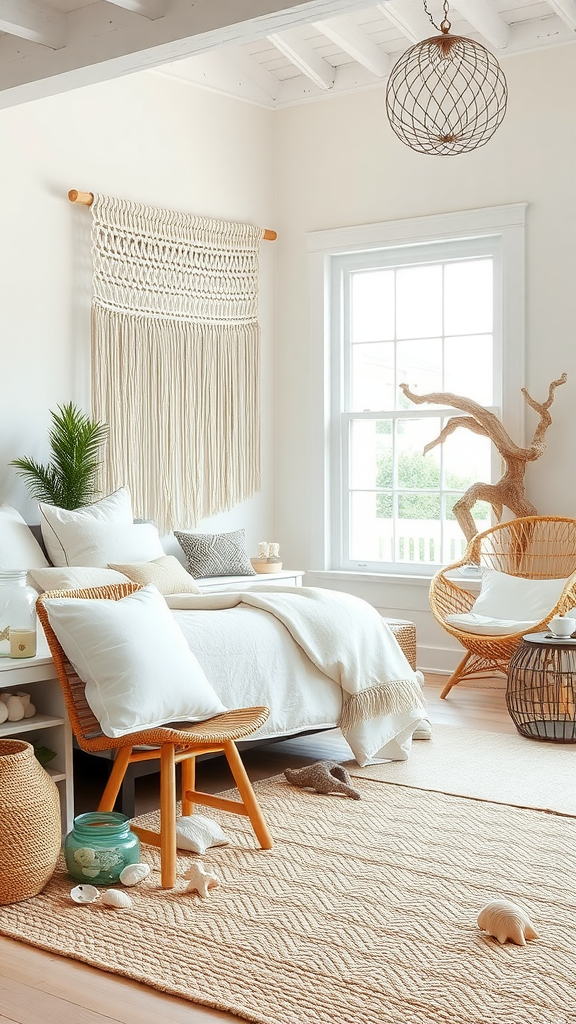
x: 69, y: 479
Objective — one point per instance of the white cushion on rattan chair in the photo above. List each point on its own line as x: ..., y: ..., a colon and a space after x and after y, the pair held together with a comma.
x: 471, y: 622
x: 528, y: 600
x: 75, y: 577
x: 133, y: 657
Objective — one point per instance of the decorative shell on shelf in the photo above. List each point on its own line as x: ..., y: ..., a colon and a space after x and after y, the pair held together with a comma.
x: 116, y: 898
x: 134, y: 873
x: 506, y: 921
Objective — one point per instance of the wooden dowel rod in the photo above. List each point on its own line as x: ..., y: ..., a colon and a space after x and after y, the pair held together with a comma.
x: 87, y: 198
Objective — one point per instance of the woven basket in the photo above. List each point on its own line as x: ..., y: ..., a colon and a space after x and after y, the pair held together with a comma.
x: 30, y: 823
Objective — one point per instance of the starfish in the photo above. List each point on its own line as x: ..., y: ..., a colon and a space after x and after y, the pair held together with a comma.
x: 200, y: 880
x: 324, y: 777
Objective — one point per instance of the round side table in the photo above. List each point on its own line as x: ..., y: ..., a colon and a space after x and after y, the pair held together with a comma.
x: 541, y: 688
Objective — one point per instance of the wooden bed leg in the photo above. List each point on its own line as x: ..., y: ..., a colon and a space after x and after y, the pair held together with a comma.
x: 188, y: 782
x: 121, y: 762
x: 247, y: 795
x: 456, y: 675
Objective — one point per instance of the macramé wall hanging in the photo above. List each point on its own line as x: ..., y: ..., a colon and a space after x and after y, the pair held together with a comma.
x: 175, y: 358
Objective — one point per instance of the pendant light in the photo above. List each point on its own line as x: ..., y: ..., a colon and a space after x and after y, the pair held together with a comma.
x: 446, y: 95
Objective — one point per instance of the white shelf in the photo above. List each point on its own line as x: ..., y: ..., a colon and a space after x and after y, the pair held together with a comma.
x: 38, y: 721
x: 37, y: 676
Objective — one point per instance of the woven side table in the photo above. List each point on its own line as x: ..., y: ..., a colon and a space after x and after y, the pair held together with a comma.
x: 541, y: 688
x: 405, y: 633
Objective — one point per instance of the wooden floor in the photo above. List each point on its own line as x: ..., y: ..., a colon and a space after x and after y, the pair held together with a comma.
x: 41, y: 988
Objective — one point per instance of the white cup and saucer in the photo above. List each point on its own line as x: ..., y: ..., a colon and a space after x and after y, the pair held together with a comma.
x: 562, y: 627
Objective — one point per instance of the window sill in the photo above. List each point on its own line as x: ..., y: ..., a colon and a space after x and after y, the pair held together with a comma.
x: 371, y: 577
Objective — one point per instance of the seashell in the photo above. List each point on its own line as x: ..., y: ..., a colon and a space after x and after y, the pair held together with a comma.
x: 134, y: 873
x: 505, y: 920
x: 84, y: 893
x: 3, y: 712
x: 116, y: 898
x: 5, y: 697
x: 91, y: 872
x: 200, y: 880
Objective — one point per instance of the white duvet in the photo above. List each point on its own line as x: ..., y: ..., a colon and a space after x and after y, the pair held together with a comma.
x: 251, y: 658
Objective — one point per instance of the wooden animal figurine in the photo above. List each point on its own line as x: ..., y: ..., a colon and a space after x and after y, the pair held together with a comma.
x: 200, y: 880
x: 324, y: 777
x: 505, y: 920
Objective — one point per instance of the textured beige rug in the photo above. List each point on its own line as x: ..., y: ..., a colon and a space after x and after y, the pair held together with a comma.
x: 506, y: 768
x: 363, y: 913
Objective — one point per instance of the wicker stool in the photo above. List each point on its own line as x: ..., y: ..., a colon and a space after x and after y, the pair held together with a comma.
x: 541, y: 688
x: 405, y: 633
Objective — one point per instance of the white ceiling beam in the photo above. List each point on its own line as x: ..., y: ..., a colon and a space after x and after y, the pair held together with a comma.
x: 566, y: 10
x: 409, y: 18
x: 151, y: 9
x: 294, y: 45
x: 37, y: 22
x: 486, y: 20
x: 346, y: 34
x: 106, y: 42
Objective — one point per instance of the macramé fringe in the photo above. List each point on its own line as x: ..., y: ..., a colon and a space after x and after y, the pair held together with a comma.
x: 385, y: 699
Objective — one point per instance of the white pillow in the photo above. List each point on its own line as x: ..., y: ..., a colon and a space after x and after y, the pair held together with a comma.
x: 97, y: 544
x: 470, y: 622
x: 60, y: 525
x: 19, y: 548
x: 132, y: 655
x: 75, y: 577
x: 198, y: 833
x: 166, y: 573
x: 513, y: 598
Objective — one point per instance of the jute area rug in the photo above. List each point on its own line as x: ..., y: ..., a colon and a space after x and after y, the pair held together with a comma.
x: 363, y: 913
x: 505, y: 768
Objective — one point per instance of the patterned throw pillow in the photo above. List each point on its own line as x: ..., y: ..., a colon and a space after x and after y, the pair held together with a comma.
x: 215, y: 554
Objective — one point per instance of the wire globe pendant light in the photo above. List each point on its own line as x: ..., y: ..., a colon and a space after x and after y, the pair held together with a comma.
x: 447, y: 94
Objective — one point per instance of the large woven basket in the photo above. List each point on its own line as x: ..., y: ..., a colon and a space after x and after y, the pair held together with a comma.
x: 30, y: 830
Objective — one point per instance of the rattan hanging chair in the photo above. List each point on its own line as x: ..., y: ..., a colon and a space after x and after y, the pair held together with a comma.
x: 533, y: 548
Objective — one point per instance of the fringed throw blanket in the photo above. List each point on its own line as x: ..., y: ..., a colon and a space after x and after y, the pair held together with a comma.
x: 344, y: 637
x: 175, y: 359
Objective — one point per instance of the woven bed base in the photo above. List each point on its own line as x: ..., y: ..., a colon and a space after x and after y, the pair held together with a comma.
x: 405, y: 633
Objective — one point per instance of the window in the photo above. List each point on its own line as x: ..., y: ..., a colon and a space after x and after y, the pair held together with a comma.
x: 431, y: 313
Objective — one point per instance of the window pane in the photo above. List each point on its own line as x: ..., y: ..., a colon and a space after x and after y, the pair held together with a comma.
x: 419, y: 528
x: 468, y: 297
x: 373, y: 376
x: 371, y: 531
x: 416, y: 470
x: 468, y: 367
x: 373, y: 306
x: 420, y: 366
x: 467, y: 459
x: 371, y: 453
x: 419, y: 302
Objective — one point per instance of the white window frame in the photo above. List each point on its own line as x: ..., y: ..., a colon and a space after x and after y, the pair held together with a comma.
x: 506, y: 224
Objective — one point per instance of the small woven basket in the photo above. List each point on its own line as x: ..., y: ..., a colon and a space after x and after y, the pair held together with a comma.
x: 30, y: 832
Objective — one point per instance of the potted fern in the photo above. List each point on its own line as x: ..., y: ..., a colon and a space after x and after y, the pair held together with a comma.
x: 68, y: 480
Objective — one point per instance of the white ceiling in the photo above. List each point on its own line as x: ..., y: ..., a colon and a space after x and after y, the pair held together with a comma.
x: 271, y: 52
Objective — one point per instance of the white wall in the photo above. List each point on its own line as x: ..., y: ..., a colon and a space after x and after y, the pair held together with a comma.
x: 148, y: 138
x: 338, y: 164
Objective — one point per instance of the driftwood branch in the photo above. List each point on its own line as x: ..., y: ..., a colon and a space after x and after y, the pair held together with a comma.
x: 509, y: 491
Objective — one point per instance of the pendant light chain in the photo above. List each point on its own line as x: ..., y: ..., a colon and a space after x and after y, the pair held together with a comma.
x: 444, y: 25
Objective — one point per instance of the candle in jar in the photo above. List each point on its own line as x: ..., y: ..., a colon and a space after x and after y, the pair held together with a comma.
x: 22, y: 643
